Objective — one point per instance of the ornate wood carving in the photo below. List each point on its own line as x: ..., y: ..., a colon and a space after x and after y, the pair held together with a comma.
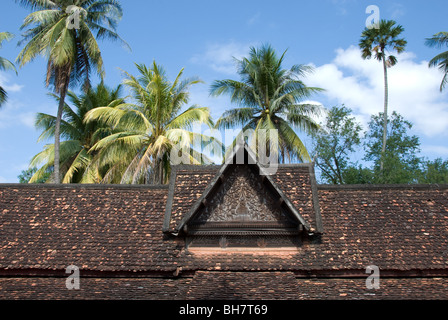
x: 242, y: 213
x: 241, y: 198
x: 228, y: 242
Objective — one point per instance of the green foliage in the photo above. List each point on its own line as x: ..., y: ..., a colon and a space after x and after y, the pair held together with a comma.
x: 26, y: 175
x: 77, y: 165
x: 375, y: 42
x: 357, y: 174
x: 401, y: 161
x: 5, y: 65
x: 71, y: 52
x: 337, y: 139
x: 441, y: 60
x: 146, y: 130
x: 340, y: 135
x: 270, y: 97
x: 434, y: 172
x: 71, y: 49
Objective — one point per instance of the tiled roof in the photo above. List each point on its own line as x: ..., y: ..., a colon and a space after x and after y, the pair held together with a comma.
x: 242, y: 286
x: 189, y: 182
x: 225, y: 286
x: 95, y: 227
x: 120, y: 228
x: 395, y: 228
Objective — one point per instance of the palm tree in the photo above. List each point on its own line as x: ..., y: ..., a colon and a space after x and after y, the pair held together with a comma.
x: 147, y: 130
x: 377, y: 42
x: 441, y: 60
x: 77, y: 165
x: 269, y: 97
x: 5, y: 65
x: 70, y: 48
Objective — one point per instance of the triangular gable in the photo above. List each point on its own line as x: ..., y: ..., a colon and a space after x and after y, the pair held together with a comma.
x: 242, y: 154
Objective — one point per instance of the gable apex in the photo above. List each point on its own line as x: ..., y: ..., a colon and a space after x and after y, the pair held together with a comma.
x: 241, y: 156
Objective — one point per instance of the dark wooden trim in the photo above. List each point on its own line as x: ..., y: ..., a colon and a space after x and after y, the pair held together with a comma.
x: 82, y: 186
x: 188, y: 273
x: 356, y: 273
x: 315, y: 196
x: 43, y: 273
x: 376, y: 187
x: 216, y: 181
x: 169, y: 201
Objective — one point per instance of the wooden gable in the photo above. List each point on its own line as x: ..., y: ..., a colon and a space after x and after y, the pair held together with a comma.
x: 243, y: 207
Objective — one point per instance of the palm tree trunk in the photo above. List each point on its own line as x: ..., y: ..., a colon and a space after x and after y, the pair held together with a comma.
x: 57, y: 130
x: 156, y: 175
x: 57, y: 139
x: 386, y: 98
x: 161, y: 180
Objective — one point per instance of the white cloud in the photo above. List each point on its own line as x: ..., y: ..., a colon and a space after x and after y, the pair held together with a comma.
x: 359, y: 84
x: 5, y: 83
x: 12, y: 113
x: 438, y: 150
x: 220, y: 56
x: 3, y: 180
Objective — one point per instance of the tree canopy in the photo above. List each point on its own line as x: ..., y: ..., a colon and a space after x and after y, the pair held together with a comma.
x: 269, y: 97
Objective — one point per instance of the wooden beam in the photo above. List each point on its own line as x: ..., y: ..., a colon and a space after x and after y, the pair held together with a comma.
x: 280, y: 201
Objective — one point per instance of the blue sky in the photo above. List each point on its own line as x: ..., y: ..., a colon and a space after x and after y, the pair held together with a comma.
x: 202, y: 36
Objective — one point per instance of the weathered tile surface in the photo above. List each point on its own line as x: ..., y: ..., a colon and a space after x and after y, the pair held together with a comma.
x: 118, y: 229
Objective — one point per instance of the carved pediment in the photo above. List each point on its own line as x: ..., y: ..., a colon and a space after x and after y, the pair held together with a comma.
x: 243, y: 198
x: 242, y: 207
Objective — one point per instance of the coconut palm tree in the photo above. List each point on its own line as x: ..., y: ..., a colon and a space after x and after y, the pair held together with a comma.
x: 5, y: 65
x: 441, y: 60
x: 77, y: 165
x: 65, y: 32
x: 376, y: 42
x: 270, y: 97
x: 149, y: 128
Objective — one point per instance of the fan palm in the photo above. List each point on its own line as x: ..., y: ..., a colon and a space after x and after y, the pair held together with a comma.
x: 377, y: 42
x: 5, y: 65
x: 441, y: 60
x: 63, y: 31
x: 147, y: 130
x: 77, y: 165
x: 269, y: 97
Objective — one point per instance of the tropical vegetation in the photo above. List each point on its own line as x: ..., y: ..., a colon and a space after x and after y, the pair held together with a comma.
x: 133, y: 133
x: 268, y: 97
x: 77, y: 165
x: 66, y: 32
x: 342, y: 145
x: 5, y: 65
x: 151, y: 128
x: 376, y: 42
x: 338, y: 138
x: 440, y: 40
